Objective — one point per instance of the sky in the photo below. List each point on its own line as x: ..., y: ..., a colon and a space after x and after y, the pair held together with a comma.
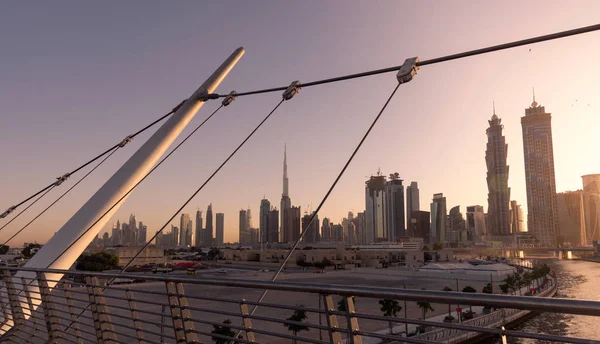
x: 76, y: 78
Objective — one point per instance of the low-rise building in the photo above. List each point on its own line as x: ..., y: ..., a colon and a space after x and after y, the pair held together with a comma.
x: 150, y: 255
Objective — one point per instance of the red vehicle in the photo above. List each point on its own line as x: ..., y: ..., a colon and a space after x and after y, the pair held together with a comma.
x: 186, y: 264
x: 319, y: 272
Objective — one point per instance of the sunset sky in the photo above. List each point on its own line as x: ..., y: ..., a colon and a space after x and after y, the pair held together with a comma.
x: 76, y: 78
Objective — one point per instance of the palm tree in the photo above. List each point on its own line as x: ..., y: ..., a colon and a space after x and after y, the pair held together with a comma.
x: 222, y: 330
x: 425, y: 307
x: 449, y: 305
x: 341, y: 306
x: 469, y: 289
x: 390, y: 308
x: 298, y: 316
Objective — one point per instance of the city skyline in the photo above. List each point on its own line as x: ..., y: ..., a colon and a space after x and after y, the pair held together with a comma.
x: 133, y: 94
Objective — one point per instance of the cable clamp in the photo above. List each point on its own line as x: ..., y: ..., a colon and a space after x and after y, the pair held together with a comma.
x: 230, y: 98
x: 291, y: 91
x: 8, y: 211
x: 61, y: 179
x: 408, y: 70
x: 126, y: 141
x: 205, y: 96
x: 178, y: 106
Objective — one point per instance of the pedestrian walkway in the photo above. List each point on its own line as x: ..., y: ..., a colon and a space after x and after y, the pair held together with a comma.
x: 400, y: 329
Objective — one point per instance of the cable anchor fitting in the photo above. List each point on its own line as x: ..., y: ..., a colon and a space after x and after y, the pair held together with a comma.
x: 408, y: 70
x: 205, y: 96
x: 292, y: 89
x: 126, y: 141
x: 8, y: 211
x: 61, y: 179
x: 230, y: 98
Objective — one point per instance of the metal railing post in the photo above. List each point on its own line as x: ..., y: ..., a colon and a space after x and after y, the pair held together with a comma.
x: 72, y: 311
x: 180, y: 314
x: 13, y: 299
x: 352, y: 322
x: 52, y: 321
x: 102, y: 321
x: 30, y: 303
x: 135, y: 315
x: 246, y: 321
x: 332, y: 324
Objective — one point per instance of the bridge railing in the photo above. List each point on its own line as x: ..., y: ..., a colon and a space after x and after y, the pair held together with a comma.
x: 186, y: 309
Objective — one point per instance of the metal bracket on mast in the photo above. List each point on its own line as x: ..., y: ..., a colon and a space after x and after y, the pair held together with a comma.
x: 408, y: 70
x: 126, y: 141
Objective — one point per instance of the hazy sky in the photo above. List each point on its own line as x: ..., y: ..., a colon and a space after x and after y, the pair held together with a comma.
x: 76, y: 78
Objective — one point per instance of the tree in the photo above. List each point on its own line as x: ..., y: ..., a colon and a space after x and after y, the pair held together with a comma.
x: 425, y: 307
x: 222, y: 330
x: 27, y: 250
x: 488, y: 289
x: 438, y: 246
x: 342, y: 304
x: 213, y: 253
x: 518, y: 282
x: 527, y: 279
x: 449, y: 306
x: 298, y: 316
x: 426, y: 248
x: 504, y: 288
x: 511, y: 283
x: 4, y: 249
x: 390, y: 308
x: 469, y: 289
x: 97, y: 262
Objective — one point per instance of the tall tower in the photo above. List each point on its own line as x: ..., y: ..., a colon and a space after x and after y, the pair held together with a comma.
x: 208, y: 231
x: 263, y: 221
x: 184, y: 225
x: 199, y: 239
x: 412, y: 201
x: 438, y: 219
x: 375, y: 210
x: 539, y: 174
x: 220, y: 224
x: 286, y: 202
x: 497, y: 178
x: 394, y: 195
x: 243, y: 229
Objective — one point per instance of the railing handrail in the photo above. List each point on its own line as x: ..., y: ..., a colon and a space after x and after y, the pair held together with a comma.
x: 571, y: 306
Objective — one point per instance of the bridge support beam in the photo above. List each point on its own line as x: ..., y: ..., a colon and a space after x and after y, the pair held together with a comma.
x: 61, y: 251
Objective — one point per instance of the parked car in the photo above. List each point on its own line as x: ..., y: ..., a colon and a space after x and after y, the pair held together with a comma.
x: 319, y: 272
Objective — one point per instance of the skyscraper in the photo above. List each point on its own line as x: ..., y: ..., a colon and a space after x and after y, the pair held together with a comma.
x: 312, y: 234
x: 375, y: 209
x: 361, y: 228
x: 591, y: 205
x: 174, y: 236
x: 571, y: 218
x: 476, y: 221
x: 184, y: 225
x: 207, y: 238
x: 420, y: 225
x: 199, y: 238
x: 293, y: 225
x: 142, y: 232
x: 497, y: 178
x: 539, y: 174
x: 273, y: 228
x: 286, y: 202
x: 243, y: 228
x: 220, y: 224
x: 516, y: 217
x: 263, y: 221
x: 394, y: 196
x: 438, y: 219
x: 326, y: 230
x: 412, y: 200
